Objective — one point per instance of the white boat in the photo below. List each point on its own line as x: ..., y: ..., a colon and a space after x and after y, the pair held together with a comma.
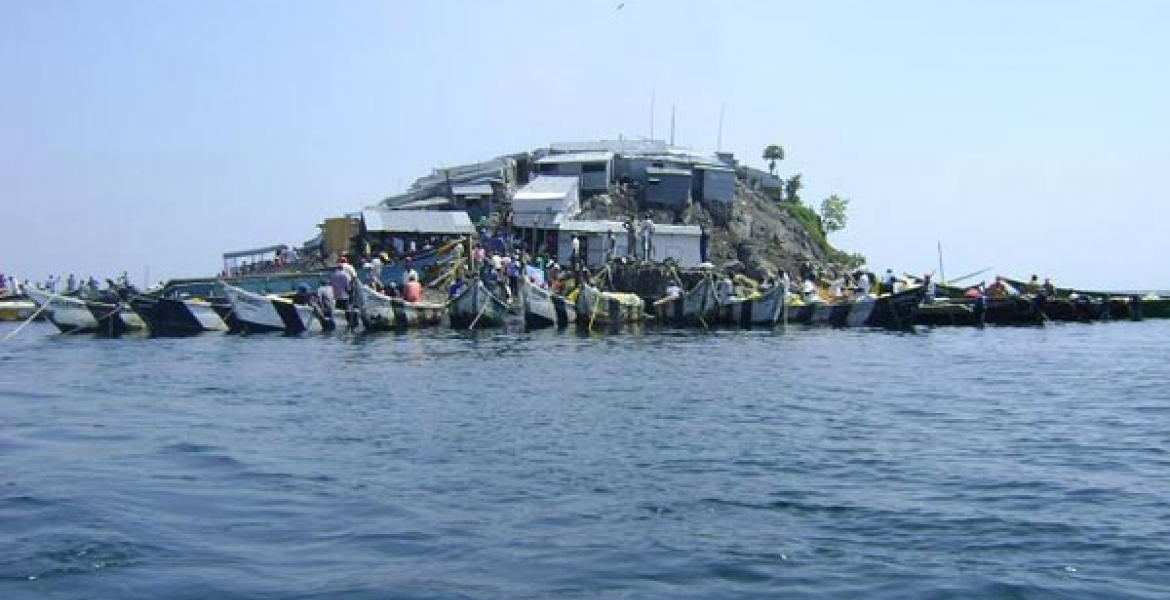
x: 77, y: 315
x: 380, y: 312
x: 258, y: 313
x: 543, y: 308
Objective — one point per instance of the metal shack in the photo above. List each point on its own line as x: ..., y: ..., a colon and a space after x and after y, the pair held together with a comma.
x: 539, y: 207
x: 679, y: 242
x: 667, y: 187
x: 595, y: 169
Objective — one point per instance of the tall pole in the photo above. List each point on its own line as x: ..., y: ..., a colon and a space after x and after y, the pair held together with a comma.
x: 671, y: 124
x: 942, y: 275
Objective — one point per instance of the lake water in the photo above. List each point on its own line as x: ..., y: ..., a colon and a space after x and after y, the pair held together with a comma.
x: 950, y: 463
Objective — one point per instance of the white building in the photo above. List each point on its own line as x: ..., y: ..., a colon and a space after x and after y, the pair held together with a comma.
x: 546, y: 200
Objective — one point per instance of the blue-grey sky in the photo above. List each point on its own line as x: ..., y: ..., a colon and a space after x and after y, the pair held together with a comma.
x: 1029, y: 137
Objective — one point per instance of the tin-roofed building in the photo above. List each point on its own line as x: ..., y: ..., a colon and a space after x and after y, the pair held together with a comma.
x: 713, y: 184
x: 613, y: 146
x: 545, y: 200
x: 667, y: 187
x: 419, y: 222
x: 595, y: 169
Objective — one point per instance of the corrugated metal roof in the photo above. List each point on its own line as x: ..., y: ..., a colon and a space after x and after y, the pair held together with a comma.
x: 476, y: 189
x: 593, y: 226
x: 418, y: 221
x: 616, y: 227
x: 576, y: 157
x: 619, y: 146
x: 547, y: 187
x: 694, y: 230
x: 431, y: 202
x: 543, y: 219
x: 667, y: 171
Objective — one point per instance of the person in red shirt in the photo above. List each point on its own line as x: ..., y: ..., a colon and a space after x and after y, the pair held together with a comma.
x: 412, y: 291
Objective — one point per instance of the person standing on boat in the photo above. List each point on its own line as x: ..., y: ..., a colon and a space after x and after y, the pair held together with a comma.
x: 863, y: 285
x: 647, y: 237
x: 887, y: 286
x: 1033, y: 286
x: 576, y: 263
x: 326, y: 305
x: 928, y: 289
x: 342, y: 284
x: 610, y: 246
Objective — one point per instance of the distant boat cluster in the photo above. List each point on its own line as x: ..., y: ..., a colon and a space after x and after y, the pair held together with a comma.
x: 489, y: 299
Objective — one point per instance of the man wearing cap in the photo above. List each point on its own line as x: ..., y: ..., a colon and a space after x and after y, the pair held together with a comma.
x: 408, y: 270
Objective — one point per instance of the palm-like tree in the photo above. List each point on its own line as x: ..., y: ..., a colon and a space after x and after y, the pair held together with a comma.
x: 772, y: 154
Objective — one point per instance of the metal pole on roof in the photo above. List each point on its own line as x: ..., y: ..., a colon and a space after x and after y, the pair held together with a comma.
x: 671, y: 124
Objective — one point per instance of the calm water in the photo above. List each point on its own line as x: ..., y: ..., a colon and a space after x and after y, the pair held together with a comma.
x: 954, y: 463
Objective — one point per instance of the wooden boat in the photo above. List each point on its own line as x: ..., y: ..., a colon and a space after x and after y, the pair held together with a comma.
x: 170, y: 317
x: 822, y: 312
x: 764, y: 310
x: 109, y: 316
x: 260, y: 313
x: 542, y: 308
x: 16, y: 309
x: 1152, y: 306
x: 379, y: 312
x: 697, y: 307
x: 610, y: 310
x: 889, y: 311
x: 1011, y: 310
x: 476, y: 308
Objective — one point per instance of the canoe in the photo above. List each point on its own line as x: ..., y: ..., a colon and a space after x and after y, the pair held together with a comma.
x: 598, y: 309
x: 263, y: 313
x: 171, y: 317
x: 1153, y: 307
x: 379, y: 312
x: 72, y: 314
x: 12, y: 309
x: 476, y: 308
x: 889, y: 311
x: 542, y: 308
x: 764, y: 310
x: 696, y: 307
x: 1012, y: 310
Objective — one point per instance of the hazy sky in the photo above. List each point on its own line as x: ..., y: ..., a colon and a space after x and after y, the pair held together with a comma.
x: 1030, y: 137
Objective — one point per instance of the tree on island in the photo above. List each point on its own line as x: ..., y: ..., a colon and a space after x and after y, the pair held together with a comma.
x: 772, y: 154
x: 792, y: 189
x: 834, y: 213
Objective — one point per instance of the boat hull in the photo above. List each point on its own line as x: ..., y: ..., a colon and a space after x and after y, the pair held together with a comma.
x: 257, y: 313
x: 476, y: 308
x: 379, y: 312
x: 171, y: 317
x: 543, y: 309
x: 610, y: 310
